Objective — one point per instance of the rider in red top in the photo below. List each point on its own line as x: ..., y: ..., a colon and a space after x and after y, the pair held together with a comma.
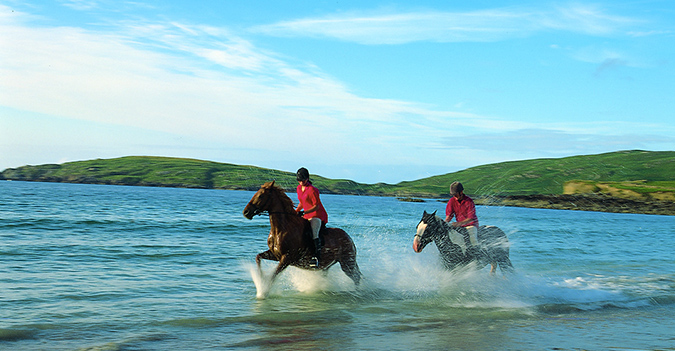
x: 463, y: 208
x: 308, y: 195
x: 310, y: 204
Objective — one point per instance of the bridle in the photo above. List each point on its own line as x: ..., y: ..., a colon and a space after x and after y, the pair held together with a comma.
x: 257, y: 211
x: 434, y: 229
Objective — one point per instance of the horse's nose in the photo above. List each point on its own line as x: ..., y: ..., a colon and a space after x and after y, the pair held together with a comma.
x: 248, y: 213
x: 416, y: 244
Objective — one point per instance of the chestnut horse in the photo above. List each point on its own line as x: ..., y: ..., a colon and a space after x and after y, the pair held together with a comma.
x: 493, y: 244
x: 290, y: 238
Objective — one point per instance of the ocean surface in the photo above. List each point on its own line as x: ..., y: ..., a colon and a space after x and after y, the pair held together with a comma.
x: 95, y: 267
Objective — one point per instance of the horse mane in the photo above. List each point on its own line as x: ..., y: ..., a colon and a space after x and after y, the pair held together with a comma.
x: 286, y: 201
x: 438, y: 219
x: 442, y: 223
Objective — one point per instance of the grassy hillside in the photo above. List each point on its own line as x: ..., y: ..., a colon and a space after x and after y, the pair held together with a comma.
x: 636, y: 190
x: 529, y: 177
x: 175, y: 172
x: 548, y: 176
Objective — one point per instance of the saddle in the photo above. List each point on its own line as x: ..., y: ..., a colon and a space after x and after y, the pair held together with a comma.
x: 477, y: 252
x: 322, y: 231
x: 465, y: 235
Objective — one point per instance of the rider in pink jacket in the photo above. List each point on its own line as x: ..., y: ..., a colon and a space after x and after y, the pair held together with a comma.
x: 310, y: 203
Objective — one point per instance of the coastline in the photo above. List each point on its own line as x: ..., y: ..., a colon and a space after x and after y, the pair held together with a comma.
x: 582, y: 202
x: 571, y: 202
x: 575, y: 202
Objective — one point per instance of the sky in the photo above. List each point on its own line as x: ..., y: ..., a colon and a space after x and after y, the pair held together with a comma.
x: 373, y: 91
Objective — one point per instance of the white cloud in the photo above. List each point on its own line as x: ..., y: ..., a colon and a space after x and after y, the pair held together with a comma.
x: 584, y: 18
x: 437, y: 26
x: 81, y: 5
x: 648, y: 33
x: 558, y: 142
x: 403, y: 28
x: 204, y: 83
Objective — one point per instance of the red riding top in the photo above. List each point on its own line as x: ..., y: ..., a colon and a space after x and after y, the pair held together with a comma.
x: 462, y: 210
x: 310, y: 198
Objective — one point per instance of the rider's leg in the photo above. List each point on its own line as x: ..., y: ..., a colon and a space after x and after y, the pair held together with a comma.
x: 315, y: 223
x: 473, y: 234
x: 473, y: 249
x: 457, y: 236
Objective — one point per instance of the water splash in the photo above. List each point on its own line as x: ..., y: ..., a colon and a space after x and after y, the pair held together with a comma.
x: 261, y: 281
x: 393, y: 272
x: 304, y: 281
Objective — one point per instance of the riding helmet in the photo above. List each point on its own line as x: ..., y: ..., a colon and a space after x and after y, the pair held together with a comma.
x: 302, y: 174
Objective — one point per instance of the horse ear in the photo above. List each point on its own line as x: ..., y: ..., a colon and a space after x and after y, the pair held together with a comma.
x: 433, y: 214
x: 425, y: 213
x: 273, y: 182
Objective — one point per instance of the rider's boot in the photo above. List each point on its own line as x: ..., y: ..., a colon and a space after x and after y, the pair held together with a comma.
x: 317, y: 252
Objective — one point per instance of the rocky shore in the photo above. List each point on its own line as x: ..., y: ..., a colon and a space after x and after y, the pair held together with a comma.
x: 582, y: 202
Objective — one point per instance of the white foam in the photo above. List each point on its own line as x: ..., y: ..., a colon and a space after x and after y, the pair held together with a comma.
x: 404, y: 274
x: 261, y: 281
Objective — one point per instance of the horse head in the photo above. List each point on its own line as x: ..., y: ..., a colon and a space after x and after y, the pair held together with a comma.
x: 425, y: 234
x: 262, y: 200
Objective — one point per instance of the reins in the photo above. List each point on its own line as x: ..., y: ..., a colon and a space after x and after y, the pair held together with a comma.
x: 268, y: 213
x: 260, y: 212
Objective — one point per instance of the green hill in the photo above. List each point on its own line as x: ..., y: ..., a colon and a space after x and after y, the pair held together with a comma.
x: 176, y: 172
x: 642, y: 171
x: 548, y: 176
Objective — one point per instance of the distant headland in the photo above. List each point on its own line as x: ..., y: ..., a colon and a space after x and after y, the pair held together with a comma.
x: 634, y: 181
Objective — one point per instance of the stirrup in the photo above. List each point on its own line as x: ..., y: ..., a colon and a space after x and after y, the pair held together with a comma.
x: 314, y: 262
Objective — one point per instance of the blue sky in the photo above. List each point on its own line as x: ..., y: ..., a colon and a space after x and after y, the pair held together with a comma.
x: 379, y: 91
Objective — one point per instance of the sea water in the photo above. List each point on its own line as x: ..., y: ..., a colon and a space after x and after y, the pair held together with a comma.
x: 95, y: 267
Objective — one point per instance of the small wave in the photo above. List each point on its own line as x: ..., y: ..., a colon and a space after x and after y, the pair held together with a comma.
x: 37, y: 223
x: 663, y: 300
x: 98, y: 296
x: 156, y: 256
x: 278, y: 318
x: 293, y: 341
x: 111, y: 346
x: 127, y: 344
x: 194, y: 322
x: 17, y: 334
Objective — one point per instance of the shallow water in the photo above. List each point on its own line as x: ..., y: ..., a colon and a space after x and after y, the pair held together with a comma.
x: 92, y: 267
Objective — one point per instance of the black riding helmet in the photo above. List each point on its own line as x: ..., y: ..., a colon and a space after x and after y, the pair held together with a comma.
x: 302, y: 174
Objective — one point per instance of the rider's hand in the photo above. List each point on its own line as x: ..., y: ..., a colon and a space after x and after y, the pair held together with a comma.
x: 301, y: 213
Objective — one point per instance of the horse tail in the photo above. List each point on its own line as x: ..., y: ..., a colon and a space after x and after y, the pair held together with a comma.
x: 497, y: 246
x: 347, y: 260
x: 493, y: 237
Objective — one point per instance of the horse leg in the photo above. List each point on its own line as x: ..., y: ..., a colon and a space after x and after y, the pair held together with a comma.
x: 284, y: 262
x: 262, y: 285
x: 267, y: 255
x: 351, y: 269
x: 504, y: 262
x: 505, y: 265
